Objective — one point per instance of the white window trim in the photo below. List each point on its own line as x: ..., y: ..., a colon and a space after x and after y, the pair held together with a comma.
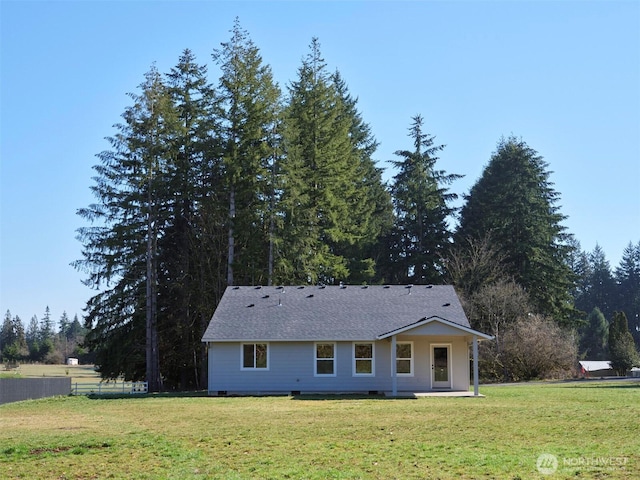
x: 373, y: 359
x: 315, y: 360
x: 411, y: 360
x: 254, y: 369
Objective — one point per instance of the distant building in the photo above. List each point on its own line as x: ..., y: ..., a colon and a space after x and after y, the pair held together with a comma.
x: 596, y: 368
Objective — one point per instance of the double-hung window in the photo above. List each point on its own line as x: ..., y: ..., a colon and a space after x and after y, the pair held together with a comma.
x: 255, y: 356
x: 325, y: 359
x: 404, y: 358
x: 363, y: 358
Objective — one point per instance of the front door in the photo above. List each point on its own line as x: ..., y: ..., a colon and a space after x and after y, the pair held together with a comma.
x: 440, y: 366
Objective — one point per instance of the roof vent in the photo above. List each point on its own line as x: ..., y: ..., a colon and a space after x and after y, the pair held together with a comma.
x: 300, y: 288
x: 258, y: 287
x: 322, y: 286
x: 429, y: 286
x: 386, y: 286
x: 265, y: 296
x: 309, y: 296
x: 446, y: 304
x: 365, y: 286
x: 343, y: 286
x: 280, y: 288
x: 236, y: 288
x: 251, y: 305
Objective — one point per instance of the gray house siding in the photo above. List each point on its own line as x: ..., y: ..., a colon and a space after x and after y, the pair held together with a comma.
x: 291, y: 368
x: 459, y: 362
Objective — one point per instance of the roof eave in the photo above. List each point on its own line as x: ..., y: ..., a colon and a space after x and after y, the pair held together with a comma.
x: 426, y: 321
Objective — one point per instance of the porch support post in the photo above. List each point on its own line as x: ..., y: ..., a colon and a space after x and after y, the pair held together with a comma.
x: 475, y: 365
x: 394, y: 377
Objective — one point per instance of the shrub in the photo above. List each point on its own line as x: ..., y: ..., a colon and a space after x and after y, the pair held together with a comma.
x: 536, y: 347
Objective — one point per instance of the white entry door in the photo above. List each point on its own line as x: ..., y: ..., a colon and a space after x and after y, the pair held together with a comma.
x: 440, y: 366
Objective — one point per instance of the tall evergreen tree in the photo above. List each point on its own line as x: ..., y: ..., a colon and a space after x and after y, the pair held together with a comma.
x: 251, y: 101
x: 121, y: 251
x: 21, y: 339
x: 421, y: 236
x: 46, y: 325
x: 7, y: 335
x: 319, y: 179
x: 371, y: 205
x: 594, y: 337
x: 514, y: 200
x: 76, y: 329
x: 578, y: 262
x: 64, y: 324
x: 622, y: 350
x: 193, y: 179
x: 598, y: 288
x: 33, y: 338
x: 627, y: 277
x: 13, y: 345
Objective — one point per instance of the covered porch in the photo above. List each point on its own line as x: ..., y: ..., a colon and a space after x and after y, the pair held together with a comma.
x: 447, y: 354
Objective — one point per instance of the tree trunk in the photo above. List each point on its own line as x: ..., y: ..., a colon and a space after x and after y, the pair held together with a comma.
x: 152, y: 354
x: 232, y: 216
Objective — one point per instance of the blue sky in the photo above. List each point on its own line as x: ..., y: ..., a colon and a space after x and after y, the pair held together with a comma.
x: 563, y: 75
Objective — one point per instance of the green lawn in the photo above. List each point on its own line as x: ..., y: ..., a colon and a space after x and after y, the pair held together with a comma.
x: 590, y: 427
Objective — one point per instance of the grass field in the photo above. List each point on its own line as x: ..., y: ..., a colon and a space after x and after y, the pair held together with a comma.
x: 78, y: 373
x: 591, y: 428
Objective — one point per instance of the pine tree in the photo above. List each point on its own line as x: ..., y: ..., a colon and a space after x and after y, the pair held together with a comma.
x: 622, y: 350
x: 251, y: 101
x: 192, y: 178
x: 318, y: 176
x: 515, y: 202
x: 371, y: 207
x: 32, y: 337
x: 599, y: 288
x: 578, y: 261
x: 13, y: 345
x: 594, y: 337
x: 76, y: 330
x: 421, y: 236
x: 46, y: 326
x: 64, y: 324
x: 121, y: 251
x: 7, y: 335
x: 627, y: 277
x: 21, y: 339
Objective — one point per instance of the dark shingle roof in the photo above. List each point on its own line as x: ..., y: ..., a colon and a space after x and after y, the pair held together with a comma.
x: 328, y: 312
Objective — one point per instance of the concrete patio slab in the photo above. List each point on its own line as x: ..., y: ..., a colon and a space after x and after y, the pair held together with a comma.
x: 447, y: 393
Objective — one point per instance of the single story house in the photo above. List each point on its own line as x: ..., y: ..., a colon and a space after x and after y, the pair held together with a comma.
x: 341, y: 339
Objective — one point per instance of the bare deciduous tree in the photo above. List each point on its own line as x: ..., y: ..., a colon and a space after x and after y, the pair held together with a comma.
x: 537, y: 347
x: 473, y: 263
